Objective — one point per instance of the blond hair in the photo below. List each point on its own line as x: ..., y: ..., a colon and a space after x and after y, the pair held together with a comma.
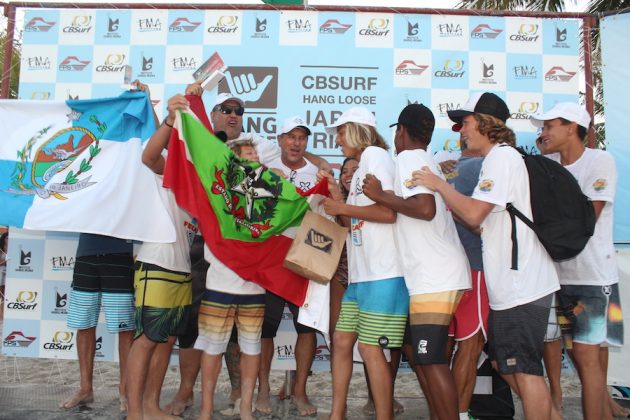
x: 495, y: 129
x: 360, y: 136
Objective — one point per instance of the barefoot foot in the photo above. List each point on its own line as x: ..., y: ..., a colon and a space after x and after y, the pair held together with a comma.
x: 80, y: 397
x: 304, y: 406
x: 263, y: 403
x: 178, y: 406
x: 368, y: 409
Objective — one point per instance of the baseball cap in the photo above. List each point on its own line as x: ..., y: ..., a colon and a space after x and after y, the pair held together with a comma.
x: 481, y: 103
x: 570, y: 111
x: 357, y: 114
x: 222, y: 97
x: 291, y: 123
x: 419, y: 117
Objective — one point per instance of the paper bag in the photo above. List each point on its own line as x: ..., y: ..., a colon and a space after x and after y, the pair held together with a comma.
x: 316, y: 249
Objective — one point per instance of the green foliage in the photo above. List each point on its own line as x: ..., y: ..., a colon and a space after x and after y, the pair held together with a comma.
x: 15, y: 63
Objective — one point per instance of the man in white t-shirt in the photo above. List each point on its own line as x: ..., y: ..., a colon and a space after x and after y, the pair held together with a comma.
x: 589, y: 294
x: 292, y: 139
x: 434, y: 263
x: 519, y: 299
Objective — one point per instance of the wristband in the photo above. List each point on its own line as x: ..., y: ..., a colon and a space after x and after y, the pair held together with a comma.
x: 166, y: 124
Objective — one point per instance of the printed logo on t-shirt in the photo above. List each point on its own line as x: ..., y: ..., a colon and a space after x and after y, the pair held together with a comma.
x: 305, y: 185
x: 486, y: 185
x: 600, y: 184
x: 409, y: 184
x: 358, y: 188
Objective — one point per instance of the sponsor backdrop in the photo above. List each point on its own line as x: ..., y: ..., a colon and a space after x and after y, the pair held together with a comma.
x: 312, y: 63
x: 316, y: 64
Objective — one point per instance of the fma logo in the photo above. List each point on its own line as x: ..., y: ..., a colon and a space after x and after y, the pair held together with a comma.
x: 525, y: 72
x: 376, y: 27
x: 37, y: 63
x: 62, y: 263
x: 225, y: 24
x: 299, y: 25
x: 38, y: 24
x: 72, y: 63
x: 112, y: 28
x: 559, y: 74
x: 525, y: 110
x: 484, y: 31
x: 183, y: 24
x: 561, y: 38
x: 410, y: 68
x: 452, y: 69
x: 333, y: 26
x: 450, y: 30
x: 113, y: 63
x: 183, y: 63
x: 444, y: 107
x: 80, y: 24
x: 61, y: 340
x: 527, y: 32
x: 149, y: 25
x: 18, y: 339
x: 260, y: 30
x: 25, y: 301
x: 257, y: 86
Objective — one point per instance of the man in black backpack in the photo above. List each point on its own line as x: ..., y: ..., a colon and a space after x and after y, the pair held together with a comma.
x: 589, y: 295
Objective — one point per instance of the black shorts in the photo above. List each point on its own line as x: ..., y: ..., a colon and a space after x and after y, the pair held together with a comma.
x: 111, y: 273
x: 274, y: 307
x: 199, y: 271
x: 517, y: 337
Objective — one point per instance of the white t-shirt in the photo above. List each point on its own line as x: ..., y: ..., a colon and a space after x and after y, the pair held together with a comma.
x: 221, y: 279
x: 432, y: 257
x: 173, y: 256
x: 503, y: 179
x: 596, y: 265
x: 372, y: 251
x: 304, y: 178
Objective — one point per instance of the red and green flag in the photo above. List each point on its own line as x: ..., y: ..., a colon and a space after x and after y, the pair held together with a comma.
x: 242, y: 207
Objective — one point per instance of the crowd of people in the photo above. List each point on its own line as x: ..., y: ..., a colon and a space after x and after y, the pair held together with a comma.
x: 427, y: 271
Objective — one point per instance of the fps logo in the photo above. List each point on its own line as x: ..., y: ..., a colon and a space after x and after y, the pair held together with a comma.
x: 80, y: 24
x: 527, y: 32
x: 376, y: 27
x: 61, y: 340
x: 260, y: 31
x: 525, y: 110
x: 18, y: 339
x: 559, y: 74
x: 38, y: 24
x: 73, y: 63
x: 333, y: 26
x: 225, y: 25
x: 410, y: 68
x: 112, y: 28
x: 452, y: 69
x: 257, y: 86
x: 484, y: 31
x: 113, y: 63
x: 182, y: 24
x: 25, y: 301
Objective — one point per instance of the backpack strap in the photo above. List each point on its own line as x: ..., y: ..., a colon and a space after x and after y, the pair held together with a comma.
x: 514, y: 213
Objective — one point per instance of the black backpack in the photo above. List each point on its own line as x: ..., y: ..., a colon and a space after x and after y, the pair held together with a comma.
x: 564, y: 218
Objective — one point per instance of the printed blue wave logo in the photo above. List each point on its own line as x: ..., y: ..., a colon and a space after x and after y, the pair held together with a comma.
x: 559, y: 74
x: 449, y: 30
x: 18, y: 339
x: 149, y: 24
x: 485, y: 31
x: 525, y: 110
x: 37, y: 63
x: 376, y: 27
x: 183, y: 24
x: 260, y: 29
x: 333, y: 26
x: 452, y: 69
x: 225, y: 24
x: 38, y: 24
x: 113, y: 63
x: 61, y: 340
x: 112, y: 28
x: 413, y: 31
x: 527, y: 32
x: 561, y: 38
x: 73, y: 63
x: 524, y: 72
x: 80, y: 24
x: 24, y: 301
x: 410, y: 68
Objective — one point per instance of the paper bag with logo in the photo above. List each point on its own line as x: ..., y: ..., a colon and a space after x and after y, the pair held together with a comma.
x: 316, y: 248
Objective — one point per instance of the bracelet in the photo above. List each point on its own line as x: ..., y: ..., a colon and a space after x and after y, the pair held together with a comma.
x: 166, y: 124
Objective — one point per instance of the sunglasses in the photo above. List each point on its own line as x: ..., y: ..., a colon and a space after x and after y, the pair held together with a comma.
x: 227, y: 109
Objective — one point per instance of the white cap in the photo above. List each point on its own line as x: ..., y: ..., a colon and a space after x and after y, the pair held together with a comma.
x: 244, y: 138
x: 570, y: 111
x: 222, y: 97
x: 291, y: 123
x: 356, y: 115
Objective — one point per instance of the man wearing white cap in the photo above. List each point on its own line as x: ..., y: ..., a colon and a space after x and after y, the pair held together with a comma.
x: 589, y: 294
x: 292, y: 139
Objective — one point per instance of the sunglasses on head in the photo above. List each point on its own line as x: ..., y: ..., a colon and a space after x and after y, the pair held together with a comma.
x: 227, y: 109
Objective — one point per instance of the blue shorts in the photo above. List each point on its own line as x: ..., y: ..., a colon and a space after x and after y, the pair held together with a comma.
x: 591, y: 314
x: 377, y: 311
